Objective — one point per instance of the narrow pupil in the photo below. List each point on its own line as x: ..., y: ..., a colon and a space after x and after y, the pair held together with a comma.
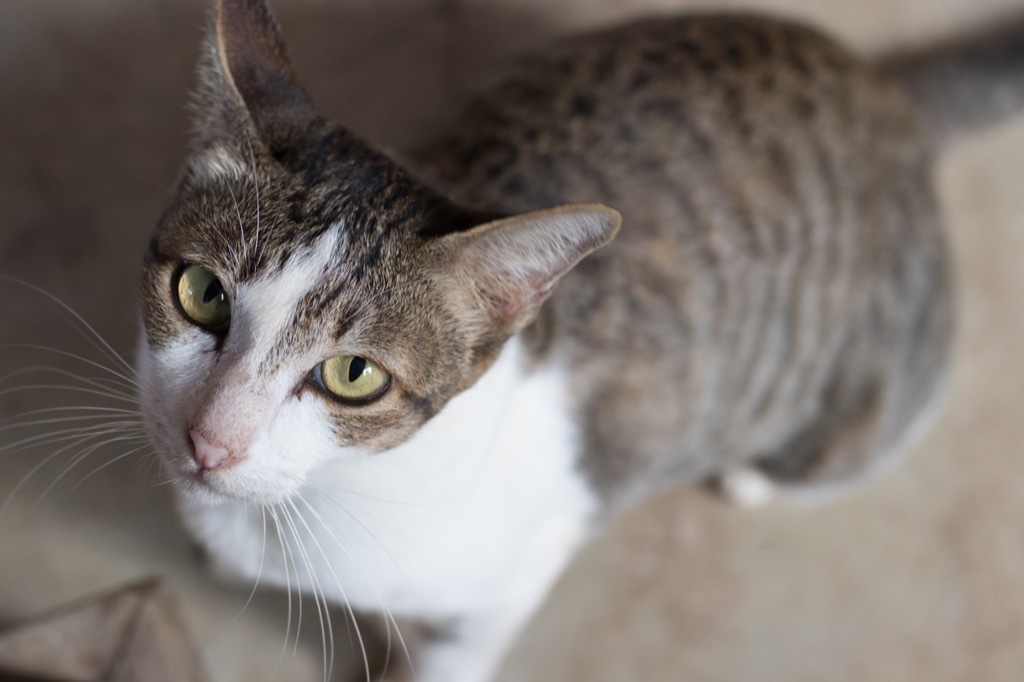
x: 355, y: 369
x: 213, y: 291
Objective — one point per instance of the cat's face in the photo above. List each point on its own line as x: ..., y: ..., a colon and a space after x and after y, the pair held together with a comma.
x: 305, y: 300
x: 291, y: 325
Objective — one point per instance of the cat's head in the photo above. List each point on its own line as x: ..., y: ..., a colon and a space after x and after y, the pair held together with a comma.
x: 306, y: 299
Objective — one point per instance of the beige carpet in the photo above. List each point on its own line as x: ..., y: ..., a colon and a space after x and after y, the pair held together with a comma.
x: 918, y: 576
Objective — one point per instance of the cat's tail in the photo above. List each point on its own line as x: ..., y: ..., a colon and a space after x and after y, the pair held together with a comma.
x: 966, y: 84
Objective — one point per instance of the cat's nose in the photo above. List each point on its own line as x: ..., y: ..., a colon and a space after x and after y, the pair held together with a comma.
x: 207, y: 455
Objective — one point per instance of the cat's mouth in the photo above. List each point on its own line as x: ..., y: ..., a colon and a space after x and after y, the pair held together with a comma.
x: 206, y: 487
x: 203, y: 486
x: 199, y: 487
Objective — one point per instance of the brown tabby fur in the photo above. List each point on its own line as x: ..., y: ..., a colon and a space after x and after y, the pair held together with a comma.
x: 779, y: 291
x: 779, y: 294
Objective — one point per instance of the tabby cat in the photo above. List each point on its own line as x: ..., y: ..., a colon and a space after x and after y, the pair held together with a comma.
x: 417, y: 387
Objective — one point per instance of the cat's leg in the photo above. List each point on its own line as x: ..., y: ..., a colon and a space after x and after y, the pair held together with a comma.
x: 471, y: 646
x: 469, y: 649
x: 824, y: 460
x: 745, y: 486
x: 853, y: 438
x: 466, y: 649
x: 821, y: 459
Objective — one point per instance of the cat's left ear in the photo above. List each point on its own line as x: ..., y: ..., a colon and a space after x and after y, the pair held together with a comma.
x: 247, y: 82
x: 510, y: 266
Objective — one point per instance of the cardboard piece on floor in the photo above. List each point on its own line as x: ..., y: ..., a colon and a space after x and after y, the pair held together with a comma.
x: 131, y: 635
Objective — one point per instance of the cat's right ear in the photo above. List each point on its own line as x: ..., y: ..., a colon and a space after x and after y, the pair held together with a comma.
x: 508, y: 267
x: 248, y: 87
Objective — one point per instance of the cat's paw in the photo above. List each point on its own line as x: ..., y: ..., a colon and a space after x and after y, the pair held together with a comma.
x: 746, y: 487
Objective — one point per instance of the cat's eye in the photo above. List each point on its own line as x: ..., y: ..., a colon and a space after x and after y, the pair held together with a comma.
x: 203, y: 299
x: 352, y: 378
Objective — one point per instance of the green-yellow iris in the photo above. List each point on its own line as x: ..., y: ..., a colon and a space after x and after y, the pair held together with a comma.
x: 353, y: 378
x: 203, y: 299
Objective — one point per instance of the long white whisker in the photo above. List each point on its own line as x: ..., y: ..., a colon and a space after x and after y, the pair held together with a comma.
x: 375, y: 498
x: 348, y: 512
x: 263, y: 556
x: 77, y: 434
x: 96, y: 339
x: 241, y: 224
x: 78, y: 459
x: 76, y: 442
x: 388, y: 616
x: 103, y: 409
x: 10, y: 425
x: 123, y: 380
x: 83, y: 385
x: 318, y: 591
x: 108, y: 463
x: 256, y: 187
x: 285, y: 555
x: 69, y: 389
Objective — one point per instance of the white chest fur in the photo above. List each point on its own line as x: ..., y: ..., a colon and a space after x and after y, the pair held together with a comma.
x: 478, y: 512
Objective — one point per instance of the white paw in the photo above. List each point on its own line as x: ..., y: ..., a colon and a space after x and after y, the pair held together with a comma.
x: 747, y: 488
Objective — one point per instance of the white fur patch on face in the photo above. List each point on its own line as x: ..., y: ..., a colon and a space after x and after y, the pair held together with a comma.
x: 479, y: 511
x: 263, y: 308
x: 218, y: 163
x: 276, y: 435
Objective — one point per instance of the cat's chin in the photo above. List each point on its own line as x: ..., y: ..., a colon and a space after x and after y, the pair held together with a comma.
x: 195, y: 492
x: 199, y: 491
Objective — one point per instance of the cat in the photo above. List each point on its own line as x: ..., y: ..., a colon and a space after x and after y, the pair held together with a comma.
x: 682, y: 250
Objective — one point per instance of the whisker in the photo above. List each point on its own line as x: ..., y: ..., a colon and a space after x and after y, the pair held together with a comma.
x: 285, y: 554
x: 147, y: 464
x: 345, y: 510
x: 241, y: 224
x: 388, y: 615
x: 256, y: 187
x: 51, y: 369
x: 84, y: 413
x: 78, y: 442
x: 124, y: 380
x: 318, y: 591
x: 375, y: 498
x: 99, y: 390
x: 78, y: 459
x: 69, y: 408
x: 72, y: 434
x: 93, y: 336
x: 112, y: 386
x: 263, y: 556
x: 108, y: 463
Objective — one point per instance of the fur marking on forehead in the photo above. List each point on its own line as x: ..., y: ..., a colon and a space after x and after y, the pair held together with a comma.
x: 266, y: 306
x: 218, y: 163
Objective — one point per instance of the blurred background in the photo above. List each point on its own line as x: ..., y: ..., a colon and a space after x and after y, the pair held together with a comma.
x: 917, y: 576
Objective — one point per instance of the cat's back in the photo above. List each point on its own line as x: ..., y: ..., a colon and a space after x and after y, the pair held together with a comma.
x: 776, y: 206
x: 609, y: 111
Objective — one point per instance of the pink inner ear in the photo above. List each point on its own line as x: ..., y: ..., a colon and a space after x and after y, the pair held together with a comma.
x: 516, y: 262
x: 513, y: 306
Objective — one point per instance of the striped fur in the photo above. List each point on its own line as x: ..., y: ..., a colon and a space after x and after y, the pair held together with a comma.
x: 777, y: 302
x: 779, y: 292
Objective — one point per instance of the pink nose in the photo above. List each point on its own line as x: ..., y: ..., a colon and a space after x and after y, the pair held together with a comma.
x: 207, y: 455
